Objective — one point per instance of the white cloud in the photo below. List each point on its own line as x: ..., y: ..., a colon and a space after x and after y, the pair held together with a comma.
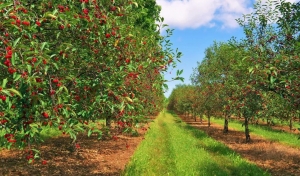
x: 184, y: 14
x: 196, y: 13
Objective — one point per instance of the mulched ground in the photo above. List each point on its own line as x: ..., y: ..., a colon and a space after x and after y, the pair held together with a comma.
x: 94, y: 157
x: 278, y: 159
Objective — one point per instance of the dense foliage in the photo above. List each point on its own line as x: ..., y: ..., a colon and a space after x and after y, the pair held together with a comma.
x: 66, y: 63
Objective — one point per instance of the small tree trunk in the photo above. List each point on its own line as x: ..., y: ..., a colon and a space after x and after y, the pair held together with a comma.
x: 225, y: 130
x: 208, y: 118
x: 269, y: 122
x: 291, y: 124
x: 201, y: 116
x: 108, y: 121
x: 247, y: 132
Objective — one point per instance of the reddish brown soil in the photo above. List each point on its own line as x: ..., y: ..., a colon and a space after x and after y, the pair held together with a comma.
x: 94, y: 157
x: 278, y: 159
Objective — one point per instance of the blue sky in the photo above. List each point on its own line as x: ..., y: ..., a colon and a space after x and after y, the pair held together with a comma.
x: 197, y: 24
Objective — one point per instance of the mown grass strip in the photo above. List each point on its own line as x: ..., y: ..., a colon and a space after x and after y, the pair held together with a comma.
x: 172, y: 147
x: 265, y: 132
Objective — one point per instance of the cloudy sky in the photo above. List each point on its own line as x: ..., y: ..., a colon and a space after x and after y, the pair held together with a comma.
x: 197, y: 24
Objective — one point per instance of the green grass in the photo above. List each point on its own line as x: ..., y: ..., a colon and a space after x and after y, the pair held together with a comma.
x: 171, y: 147
x: 286, y: 123
x: 263, y: 131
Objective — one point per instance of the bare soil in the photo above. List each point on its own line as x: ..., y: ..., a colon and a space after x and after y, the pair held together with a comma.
x: 94, y: 157
x: 276, y: 158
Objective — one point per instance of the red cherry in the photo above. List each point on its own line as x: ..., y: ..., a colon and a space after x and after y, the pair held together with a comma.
x: 113, y: 8
x: 33, y: 60
x: 44, y: 162
x: 55, y: 80
x: 107, y: 35
x: 85, y: 11
x: 26, y: 23
x: 61, y: 27
x: 38, y: 23
x: 38, y: 80
x: 45, y: 114
x: 52, y: 92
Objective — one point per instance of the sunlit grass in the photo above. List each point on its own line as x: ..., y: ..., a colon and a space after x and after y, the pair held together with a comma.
x: 172, y: 147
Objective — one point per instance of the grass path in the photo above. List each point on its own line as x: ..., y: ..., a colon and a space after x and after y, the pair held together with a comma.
x: 171, y: 147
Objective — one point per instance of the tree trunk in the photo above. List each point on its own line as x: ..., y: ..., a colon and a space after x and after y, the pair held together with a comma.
x: 269, y: 122
x: 208, y: 118
x: 225, y: 124
x: 108, y: 121
x: 291, y: 124
x: 247, y: 132
x: 201, y: 116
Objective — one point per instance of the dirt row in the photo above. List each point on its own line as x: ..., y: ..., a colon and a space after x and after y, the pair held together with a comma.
x: 276, y: 158
x: 93, y: 157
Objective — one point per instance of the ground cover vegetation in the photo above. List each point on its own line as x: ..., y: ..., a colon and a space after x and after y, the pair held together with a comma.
x: 255, y: 78
x: 185, y: 150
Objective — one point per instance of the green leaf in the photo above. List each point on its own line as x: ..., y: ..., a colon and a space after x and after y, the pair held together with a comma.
x: 272, y: 79
x: 90, y: 132
x: 16, y: 41
x: 15, y: 92
x: 251, y: 70
x: 29, y: 69
x: 4, y: 82
x: 13, y: 58
x: 30, y: 161
x: 43, y: 45
x: 261, y: 49
x: 5, y: 5
x: 18, y: 76
x: 46, y: 70
x: 165, y: 86
x: 55, y: 65
x: 136, y: 4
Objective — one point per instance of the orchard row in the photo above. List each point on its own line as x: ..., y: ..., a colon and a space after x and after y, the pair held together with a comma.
x: 66, y: 63
x: 255, y: 77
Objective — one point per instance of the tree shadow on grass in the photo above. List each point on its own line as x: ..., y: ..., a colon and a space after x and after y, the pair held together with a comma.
x: 223, y: 155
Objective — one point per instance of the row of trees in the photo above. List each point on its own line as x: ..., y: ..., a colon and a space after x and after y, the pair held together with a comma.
x: 256, y: 77
x: 65, y: 63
